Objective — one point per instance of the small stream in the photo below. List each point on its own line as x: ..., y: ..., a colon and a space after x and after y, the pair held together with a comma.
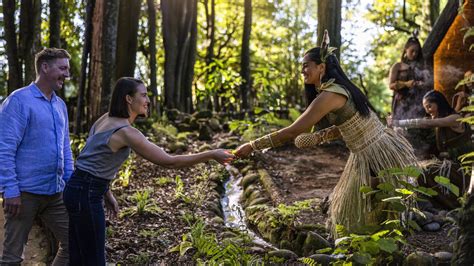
x: 234, y: 215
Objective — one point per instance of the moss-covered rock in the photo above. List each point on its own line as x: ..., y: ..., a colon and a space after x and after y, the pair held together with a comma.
x: 314, y: 242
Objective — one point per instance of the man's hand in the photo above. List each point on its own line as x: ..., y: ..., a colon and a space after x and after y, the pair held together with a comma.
x: 12, y: 205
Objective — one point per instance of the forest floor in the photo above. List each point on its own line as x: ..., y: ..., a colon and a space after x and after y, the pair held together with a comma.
x: 150, y: 225
x: 298, y: 174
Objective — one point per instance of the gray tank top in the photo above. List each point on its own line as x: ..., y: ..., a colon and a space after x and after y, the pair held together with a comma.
x: 98, y: 159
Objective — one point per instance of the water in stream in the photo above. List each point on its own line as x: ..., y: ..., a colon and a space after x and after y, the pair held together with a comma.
x: 234, y: 215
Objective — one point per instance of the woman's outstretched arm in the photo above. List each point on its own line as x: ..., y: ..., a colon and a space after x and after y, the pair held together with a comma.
x: 321, y: 106
x: 142, y: 146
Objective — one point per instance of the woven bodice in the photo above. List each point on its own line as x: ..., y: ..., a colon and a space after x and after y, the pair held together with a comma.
x: 342, y: 114
x: 359, y: 132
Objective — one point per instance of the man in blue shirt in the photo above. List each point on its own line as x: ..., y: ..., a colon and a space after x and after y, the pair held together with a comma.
x: 35, y: 157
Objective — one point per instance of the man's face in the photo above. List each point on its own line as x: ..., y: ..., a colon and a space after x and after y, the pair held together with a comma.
x: 56, y: 72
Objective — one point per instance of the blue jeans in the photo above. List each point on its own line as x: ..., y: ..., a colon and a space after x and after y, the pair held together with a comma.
x: 84, y: 197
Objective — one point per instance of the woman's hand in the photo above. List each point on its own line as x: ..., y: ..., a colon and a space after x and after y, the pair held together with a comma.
x: 409, y: 84
x: 111, y: 205
x: 243, y: 150
x: 222, y: 156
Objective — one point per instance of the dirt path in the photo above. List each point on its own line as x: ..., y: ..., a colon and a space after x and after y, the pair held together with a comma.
x: 35, y: 252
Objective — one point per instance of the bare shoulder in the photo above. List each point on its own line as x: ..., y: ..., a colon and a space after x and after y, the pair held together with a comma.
x: 397, y: 66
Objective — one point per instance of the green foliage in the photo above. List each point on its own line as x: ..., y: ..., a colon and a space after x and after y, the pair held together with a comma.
x: 77, y: 143
x: 285, y: 215
x: 126, y: 171
x: 164, y: 129
x: 144, y: 204
x: 308, y: 261
x: 209, y: 251
x: 379, y: 244
x: 163, y: 181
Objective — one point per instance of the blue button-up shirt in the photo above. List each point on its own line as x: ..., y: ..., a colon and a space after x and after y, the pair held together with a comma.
x: 35, y: 154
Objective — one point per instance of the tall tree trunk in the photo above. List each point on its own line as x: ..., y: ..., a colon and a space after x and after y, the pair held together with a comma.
x: 127, y: 34
x: 190, y: 61
x: 54, y: 30
x: 104, y: 40
x: 152, y: 40
x: 84, y: 77
x: 54, y: 23
x: 245, y: 56
x: 30, y: 22
x: 178, y: 25
x: 109, y: 47
x: 329, y: 18
x: 95, y: 83
x: 14, y: 70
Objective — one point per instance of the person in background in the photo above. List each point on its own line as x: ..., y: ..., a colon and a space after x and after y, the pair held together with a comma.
x: 409, y: 81
x: 453, y: 138
x: 35, y: 157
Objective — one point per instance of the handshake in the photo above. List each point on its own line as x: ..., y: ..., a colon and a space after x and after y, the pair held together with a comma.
x: 307, y: 140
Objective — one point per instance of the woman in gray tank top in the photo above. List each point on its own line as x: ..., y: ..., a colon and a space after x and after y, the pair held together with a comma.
x: 109, y: 143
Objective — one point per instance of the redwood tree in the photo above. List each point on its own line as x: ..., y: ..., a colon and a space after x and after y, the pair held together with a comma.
x: 179, y: 21
x: 329, y: 18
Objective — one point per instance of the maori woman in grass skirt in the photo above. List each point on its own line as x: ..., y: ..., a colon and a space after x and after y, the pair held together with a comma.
x: 335, y: 100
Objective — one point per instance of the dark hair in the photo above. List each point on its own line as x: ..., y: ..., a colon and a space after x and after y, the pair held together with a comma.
x: 412, y: 41
x: 444, y: 109
x: 47, y: 55
x: 334, y: 71
x: 123, y: 87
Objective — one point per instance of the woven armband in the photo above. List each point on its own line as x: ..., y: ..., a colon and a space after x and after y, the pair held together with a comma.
x: 265, y: 142
x: 407, y: 123
x: 312, y: 139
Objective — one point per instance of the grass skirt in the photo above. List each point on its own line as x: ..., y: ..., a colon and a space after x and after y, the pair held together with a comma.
x: 373, y: 147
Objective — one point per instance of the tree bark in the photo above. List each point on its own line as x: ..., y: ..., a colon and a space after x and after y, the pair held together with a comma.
x: 127, y: 34
x: 152, y: 46
x: 329, y: 18
x: 30, y: 36
x: 109, y: 46
x: 179, y: 23
x: 81, y: 97
x: 54, y: 23
x: 245, y: 56
x: 11, y: 47
x: 95, y: 85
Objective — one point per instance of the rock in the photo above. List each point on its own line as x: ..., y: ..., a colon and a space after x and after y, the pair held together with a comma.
x: 193, y: 124
x: 283, y: 253
x: 217, y: 220
x: 443, y: 256
x: 424, y: 220
x: 205, y: 147
x: 228, y: 234
x: 232, y: 170
x: 285, y: 244
x: 255, y: 194
x: 322, y: 259
x: 431, y: 227
x: 205, y: 133
x: 249, y: 179
x: 215, y: 177
x: 214, y: 124
x: 245, y: 170
x: 175, y: 146
x: 215, y: 208
x: 203, y: 114
x: 183, y: 127
x: 257, y: 201
x: 249, y: 190
x: 275, y: 236
x: 299, y: 241
x: 419, y: 258
x: 256, y: 250
x: 424, y: 205
x: 172, y: 114
x: 314, y: 242
x: 440, y: 219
